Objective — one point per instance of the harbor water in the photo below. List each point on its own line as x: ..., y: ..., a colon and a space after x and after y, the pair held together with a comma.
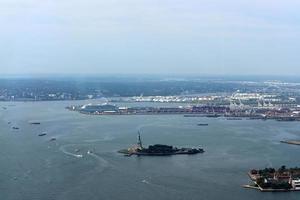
x: 77, y: 157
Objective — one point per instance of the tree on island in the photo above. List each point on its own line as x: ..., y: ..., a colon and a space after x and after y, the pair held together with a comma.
x: 282, y: 169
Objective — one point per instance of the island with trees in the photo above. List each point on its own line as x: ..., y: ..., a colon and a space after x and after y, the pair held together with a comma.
x: 272, y: 180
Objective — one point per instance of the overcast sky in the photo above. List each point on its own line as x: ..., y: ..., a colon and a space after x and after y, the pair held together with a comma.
x: 150, y: 36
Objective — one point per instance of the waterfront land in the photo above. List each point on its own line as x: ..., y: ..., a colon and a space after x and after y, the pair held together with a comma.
x: 271, y: 180
x: 158, y: 150
x: 251, y: 113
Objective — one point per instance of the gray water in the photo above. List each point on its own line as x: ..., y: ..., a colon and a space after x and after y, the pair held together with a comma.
x: 32, y: 167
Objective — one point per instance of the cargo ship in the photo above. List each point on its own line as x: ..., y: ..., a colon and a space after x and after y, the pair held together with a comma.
x: 158, y: 150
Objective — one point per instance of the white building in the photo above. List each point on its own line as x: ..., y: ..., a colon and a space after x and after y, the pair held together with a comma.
x: 296, y: 184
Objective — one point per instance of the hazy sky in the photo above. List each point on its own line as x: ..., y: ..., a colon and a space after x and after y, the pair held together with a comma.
x: 150, y: 36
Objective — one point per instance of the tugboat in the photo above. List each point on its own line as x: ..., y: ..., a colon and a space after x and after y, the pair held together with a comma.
x: 158, y: 150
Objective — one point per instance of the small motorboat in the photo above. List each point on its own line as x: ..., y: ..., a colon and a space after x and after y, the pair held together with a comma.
x: 42, y: 134
x: 202, y: 124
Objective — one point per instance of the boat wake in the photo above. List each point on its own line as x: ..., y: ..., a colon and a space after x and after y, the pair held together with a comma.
x: 142, y: 126
x: 145, y: 181
x: 63, y: 149
x: 101, y: 161
x: 157, y: 124
x: 102, y: 164
x: 157, y: 185
x: 106, y: 138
